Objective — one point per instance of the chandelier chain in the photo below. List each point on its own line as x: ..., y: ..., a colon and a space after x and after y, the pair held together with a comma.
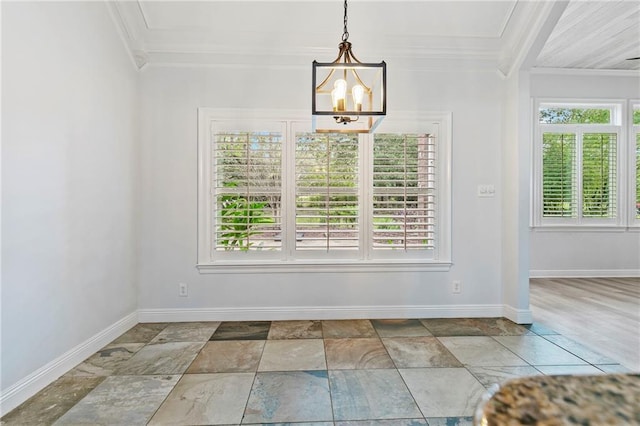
x: 345, y: 34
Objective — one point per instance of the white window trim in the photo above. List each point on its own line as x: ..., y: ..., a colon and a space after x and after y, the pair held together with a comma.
x: 208, y: 263
x: 634, y: 130
x: 621, y: 121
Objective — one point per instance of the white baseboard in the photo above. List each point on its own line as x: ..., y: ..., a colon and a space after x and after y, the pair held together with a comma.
x: 319, y: 313
x: 519, y: 316
x: 39, y: 379
x: 584, y: 273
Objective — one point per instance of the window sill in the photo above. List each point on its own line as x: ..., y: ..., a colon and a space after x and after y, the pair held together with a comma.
x: 307, y: 266
x: 584, y: 228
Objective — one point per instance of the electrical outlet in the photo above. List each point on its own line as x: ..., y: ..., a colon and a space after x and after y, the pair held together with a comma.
x: 456, y: 287
x: 183, y: 290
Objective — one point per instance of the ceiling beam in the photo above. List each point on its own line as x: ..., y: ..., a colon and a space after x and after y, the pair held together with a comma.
x: 522, y: 49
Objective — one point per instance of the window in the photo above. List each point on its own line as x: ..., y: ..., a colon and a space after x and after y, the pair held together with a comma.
x: 635, y: 167
x: 274, y: 195
x: 248, y: 190
x: 637, y: 175
x: 559, y: 177
x: 404, y: 191
x: 327, y: 192
x: 599, y: 174
x: 579, y: 166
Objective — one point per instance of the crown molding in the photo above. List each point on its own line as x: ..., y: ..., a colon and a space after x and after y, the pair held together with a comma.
x: 521, y: 35
x: 125, y: 35
x: 193, y: 46
x: 585, y: 72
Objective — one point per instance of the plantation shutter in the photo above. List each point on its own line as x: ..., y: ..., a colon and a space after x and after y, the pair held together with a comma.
x: 404, y: 191
x: 599, y: 174
x: 637, y: 205
x: 559, y: 179
x: 326, y: 192
x: 247, y: 189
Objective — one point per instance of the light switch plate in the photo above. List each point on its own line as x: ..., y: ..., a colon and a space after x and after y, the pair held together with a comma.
x: 486, y: 191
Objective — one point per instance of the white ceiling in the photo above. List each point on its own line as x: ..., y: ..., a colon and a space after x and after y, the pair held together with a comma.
x: 483, y: 34
x: 595, y: 35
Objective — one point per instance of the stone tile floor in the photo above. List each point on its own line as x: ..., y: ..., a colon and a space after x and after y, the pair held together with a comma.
x: 387, y: 372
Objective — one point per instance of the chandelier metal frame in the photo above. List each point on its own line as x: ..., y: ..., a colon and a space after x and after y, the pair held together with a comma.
x: 330, y: 81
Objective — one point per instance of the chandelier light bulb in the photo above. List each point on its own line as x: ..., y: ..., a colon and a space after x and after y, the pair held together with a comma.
x: 339, y: 95
x: 358, y: 95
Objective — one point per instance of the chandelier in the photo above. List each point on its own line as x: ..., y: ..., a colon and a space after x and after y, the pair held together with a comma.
x: 349, y: 96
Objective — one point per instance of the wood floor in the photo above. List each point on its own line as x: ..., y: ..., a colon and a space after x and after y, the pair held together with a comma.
x: 601, y: 313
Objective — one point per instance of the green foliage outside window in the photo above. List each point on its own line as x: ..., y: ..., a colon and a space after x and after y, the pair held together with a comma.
x: 248, y: 180
x: 328, y: 162
x: 599, y: 158
x: 558, y: 175
x: 403, y: 175
x: 239, y: 219
x: 559, y: 162
x: 575, y: 116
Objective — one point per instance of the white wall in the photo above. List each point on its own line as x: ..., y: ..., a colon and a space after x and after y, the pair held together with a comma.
x: 68, y: 181
x: 585, y: 253
x: 516, y: 158
x: 170, y: 98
